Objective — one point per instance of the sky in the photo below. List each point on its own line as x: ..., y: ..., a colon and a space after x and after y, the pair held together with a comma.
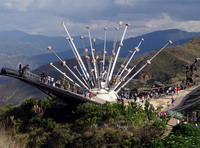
x: 45, y: 16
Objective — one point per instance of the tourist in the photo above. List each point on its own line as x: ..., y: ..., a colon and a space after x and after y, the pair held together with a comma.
x: 177, y: 121
x: 42, y: 75
x: 85, y: 93
x: 48, y: 79
x: 24, y: 69
x: 197, y: 125
x: 156, y: 95
x: 173, y: 100
x: 178, y: 89
x: 137, y: 100
x: 148, y: 97
x: 143, y: 99
x: 52, y: 80
x: 168, y: 104
x: 20, y: 69
x: 90, y: 95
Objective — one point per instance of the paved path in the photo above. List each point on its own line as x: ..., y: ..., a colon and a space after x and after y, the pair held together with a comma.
x: 165, y: 102
x: 171, y: 123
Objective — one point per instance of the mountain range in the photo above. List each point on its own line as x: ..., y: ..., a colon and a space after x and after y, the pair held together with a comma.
x: 19, y: 47
x: 15, y: 91
x: 16, y: 42
x: 169, y: 65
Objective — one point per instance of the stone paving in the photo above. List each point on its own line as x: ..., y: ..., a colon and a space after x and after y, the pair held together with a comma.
x: 165, y: 101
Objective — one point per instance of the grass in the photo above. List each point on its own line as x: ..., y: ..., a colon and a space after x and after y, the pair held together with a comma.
x: 7, y: 140
x: 169, y: 65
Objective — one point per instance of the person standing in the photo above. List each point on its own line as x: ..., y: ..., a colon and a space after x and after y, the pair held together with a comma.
x: 90, y: 95
x: 177, y: 121
x: 173, y: 100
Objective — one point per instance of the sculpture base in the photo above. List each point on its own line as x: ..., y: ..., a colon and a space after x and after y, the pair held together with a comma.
x: 103, y: 94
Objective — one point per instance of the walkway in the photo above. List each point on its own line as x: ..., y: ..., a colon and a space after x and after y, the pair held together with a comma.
x: 164, y: 103
x: 171, y: 123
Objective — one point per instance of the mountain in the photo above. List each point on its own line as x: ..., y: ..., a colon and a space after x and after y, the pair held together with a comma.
x: 17, y: 91
x: 158, y: 39
x: 13, y: 61
x: 19, y: 47
x: 15, y: 42
x: 168, y: 67
x: 153, y: 41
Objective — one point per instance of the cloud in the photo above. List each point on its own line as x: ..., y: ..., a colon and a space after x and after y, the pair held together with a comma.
x: 128, y: 3
x: 17, y: 5
x: 167, y: 22
x: 8, y: 5
x: 163, y: 20
x: 44, y: 16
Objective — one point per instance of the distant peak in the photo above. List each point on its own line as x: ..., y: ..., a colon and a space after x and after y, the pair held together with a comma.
x: 13, y: 31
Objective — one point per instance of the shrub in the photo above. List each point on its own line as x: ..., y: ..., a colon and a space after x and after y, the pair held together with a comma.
x: 160, y: 125
x: 131, y: 142
x: 186, y: 130
x: 60, y: 136
x: 5, y: 110
x: 174, y: 141
x: 47, y: 124
x: 38, y: 138
x: 108, y: 125
x: 182, y: 135
x: 156, y: 143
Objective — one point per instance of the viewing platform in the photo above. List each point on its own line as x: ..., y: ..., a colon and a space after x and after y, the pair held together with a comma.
x: 64, y: 95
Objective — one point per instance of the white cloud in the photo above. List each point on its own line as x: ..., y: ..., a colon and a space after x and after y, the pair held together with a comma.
x: 44, y: 16
x: 167, y: 22
x: 191, y: 26
x: 126, y: 2
x: 8, y: 5
x: 163, y: 20
x: 18, y: 5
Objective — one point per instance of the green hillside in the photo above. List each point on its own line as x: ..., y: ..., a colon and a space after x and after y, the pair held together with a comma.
x: 169, y: 66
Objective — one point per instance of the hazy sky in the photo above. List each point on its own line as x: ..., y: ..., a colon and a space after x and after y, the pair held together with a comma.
x: 45, y: 16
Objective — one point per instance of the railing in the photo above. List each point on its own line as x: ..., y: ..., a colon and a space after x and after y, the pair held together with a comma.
x: 32, y: 76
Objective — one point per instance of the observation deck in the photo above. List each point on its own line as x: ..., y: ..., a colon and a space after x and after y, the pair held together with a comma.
x: 64, y: 95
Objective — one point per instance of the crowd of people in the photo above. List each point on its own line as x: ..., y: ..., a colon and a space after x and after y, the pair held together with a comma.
x: 154, y: 93
x: 65, y: 84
